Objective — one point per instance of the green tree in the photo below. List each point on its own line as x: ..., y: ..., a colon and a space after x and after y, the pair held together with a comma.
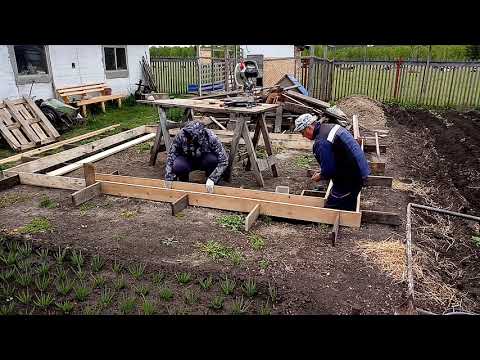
x: 473, y: 52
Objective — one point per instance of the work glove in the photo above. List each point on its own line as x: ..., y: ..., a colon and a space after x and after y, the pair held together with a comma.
x: 209, y: 184
x: 168, y: 184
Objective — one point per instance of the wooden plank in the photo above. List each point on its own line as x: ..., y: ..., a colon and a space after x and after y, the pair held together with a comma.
x: 282, y: 189
x: 102, y: 155
x: 88, y: 193
x: 377, y: 145
x: 179, y: 204
x: 7, y: 118
x: 252, y: 217
x: 268, y: 145
x: 163, y: 125
x: 7, y: 135
x: 316, y: 193
x: 308, y: 99
x: 89, y: 173
x: 380, y: 217
x: 82, y: 150
x: 217, y: 123
x: 356, y: 131
x: 56, y: 182
x: 385, y: 181
x: 58, y: 144
x: 377, y: 168
x: 19, y: 118
x: 278, y: 119
x: 40, y: 115
x: 99, y: 99
x: 253, y: 156
x: 334, y: 232
x: 231, y: 203
x: 9, y: 181
x: 221, y: 190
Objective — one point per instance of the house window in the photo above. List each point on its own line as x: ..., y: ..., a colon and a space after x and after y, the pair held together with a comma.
x: 115, y: 60
x: 30, y: 63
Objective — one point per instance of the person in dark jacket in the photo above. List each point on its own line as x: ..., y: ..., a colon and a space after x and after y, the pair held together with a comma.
x: 196, y: 148
x: 341, y: 160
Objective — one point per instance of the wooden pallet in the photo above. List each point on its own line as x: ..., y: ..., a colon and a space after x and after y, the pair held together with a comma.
x: 24, y: 126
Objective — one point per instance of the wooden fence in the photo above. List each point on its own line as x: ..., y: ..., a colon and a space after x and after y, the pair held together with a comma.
x: 454, y: 84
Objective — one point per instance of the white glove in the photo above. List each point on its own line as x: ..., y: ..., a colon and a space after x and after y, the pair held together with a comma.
x: 209, y: 184
x: 168, y: 184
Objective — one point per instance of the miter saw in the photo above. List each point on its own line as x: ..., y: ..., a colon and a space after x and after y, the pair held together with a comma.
x: 246, y: 73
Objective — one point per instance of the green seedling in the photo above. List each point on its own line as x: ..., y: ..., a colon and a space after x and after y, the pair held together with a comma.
x: 272, y: 292
x: 66, y: 307
x: 6, y: 275
x: 265, y: 309
x: 7, y: 291
x: 37, y: 225
x: 97, y: 263
x: 232, y: 222
x: 7, y: 309
x: 264, y: 263
x: 216, y: 251
x: 77, y: 259
x: 85, y: 207
x: 304, y: 161
x: 183, y: 278
x: 148, y: 307
x: 24, y: 297
x: 24, y: 278
x: 24, y: 265
x: 60, y: 255
x: 206, y: 283
x: 47, y: 203
x: 91, y: 310
x: 43, y: 269
x: 106, y: 297
x: 10, y: 259
x: 158, y: 278
x: 240, y: 306
x: 190, y: 297
x: 116, y: 267
x: 81, y: 292
x: 11, y: 199
x: 249, y: 288
x: 61, y: 273
x: 217, y: 303
x: 142, y: 290
x: 127, y: 305
x: 98, y: 281
x: 12, y: 245
x: 43, y: 301
x: 166, y: 294
x: 476, y: 240
x: 227, y: 286
x: 64, y: 286
x: 42, y: 283
x: 136, y: 270
x: 144, y: 147
x: 119, y: 283
x: 80, y: 274
x: 128, y: 214
x: 236, y: 257
x: 42, y: 254
x: 25, y: 250
x: 256, y: 241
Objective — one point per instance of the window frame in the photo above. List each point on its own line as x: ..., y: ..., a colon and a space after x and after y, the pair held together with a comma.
x: 28, y: 79
x: 115, y: 74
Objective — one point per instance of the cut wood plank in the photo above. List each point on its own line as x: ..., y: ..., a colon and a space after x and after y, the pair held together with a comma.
x: 308, y: 99
x: 217, y: 123
x: 379, y: 181
x: 55, y: 182
x: 231, y: 203
x: 9, y: 181
x: 380, y: 217
x: 88, y: 193
x: 7, y: 135
x: 252, y: 217
x: 377, y: 145
x: 19, y: 118
x: 221, y: 190
x: 356, y: 131
x: 7, y: 119
x: 334, y: 233
x: 82, y: 150
x: 180, y: 204
x: 99, y: 99
x: 89, y: 173
x: 102, y: 155
x: 57, y: 145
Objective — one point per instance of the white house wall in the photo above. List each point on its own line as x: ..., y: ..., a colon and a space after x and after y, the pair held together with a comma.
x: 8, y: 87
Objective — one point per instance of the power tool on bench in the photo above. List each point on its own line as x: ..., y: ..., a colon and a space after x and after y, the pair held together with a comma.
x: 246, y: 73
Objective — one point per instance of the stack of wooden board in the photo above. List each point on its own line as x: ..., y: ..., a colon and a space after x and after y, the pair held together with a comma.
x: 24, y: 126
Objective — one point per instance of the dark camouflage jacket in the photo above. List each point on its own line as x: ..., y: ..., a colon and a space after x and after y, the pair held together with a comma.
x: 203, y: 140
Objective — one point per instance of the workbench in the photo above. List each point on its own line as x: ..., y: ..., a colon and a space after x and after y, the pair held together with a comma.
x: 241, y: 115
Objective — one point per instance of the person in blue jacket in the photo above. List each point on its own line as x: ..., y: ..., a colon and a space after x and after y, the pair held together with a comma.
x: 341, y: 160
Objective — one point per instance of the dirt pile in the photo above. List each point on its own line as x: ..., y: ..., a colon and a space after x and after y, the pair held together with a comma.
x: 370, y: 112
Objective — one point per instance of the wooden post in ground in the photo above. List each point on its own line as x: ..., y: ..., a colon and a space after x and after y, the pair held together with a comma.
x: 89, y: 173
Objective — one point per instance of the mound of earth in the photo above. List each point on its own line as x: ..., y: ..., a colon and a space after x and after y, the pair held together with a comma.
x: 370, y: 112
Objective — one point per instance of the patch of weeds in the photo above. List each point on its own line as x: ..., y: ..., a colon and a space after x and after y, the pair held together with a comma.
x: 24, y: 265
x: 42, y: 254
x: 148, y: 307
x: 206, y: 283
x: 42, y: 283
x: 80, y: 274
x: 261, y: 153
x: 232, y: 222
x: 265, y: 309
x: 128, y: 214
x: 256, y: 241
x: 272, y: 293
x: 81, y: 292
x: 476, y: 240
x: 91, y: 310
x: 323, y: 227
x: 85, y: 207
x: 43, y: 301
x: 7, y: 291
x: 304, y: 161
x: 97, y: 263
x: 47, y: 203
x: 64, y: 286
x: 77, y: 259
x: 7, y: 309
x: 25, y: 250
x: 166, y: 294
x: 183, y: 278
x: 216, y: 250
x: 249, y: 288
x: 24, y: 278
x: 61, y: 273
x: 6, y: 275
x: 190, y: 297
x: 116, y: 267
x: 236, y: 257
x: 24, y: 297
x: 180, y: 215
x: 217, y: 303
x: 239, y: 306
x: 264, y: 264
x: 119, y: 283
x: 10, y: 259
x: 43, y: 269
x: 37, y: 225
x: 158, y: 278
x: 136, y: 270
x: 60, y: 255
x: 12, y: 246
x: 143, y: 147
x: 11, y: 199
x: 127, y: 305
x: 106, y: 297
x: 98, y: 281
x: 66, y: 307
x: 142, y: 290
x: 227, y: 286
